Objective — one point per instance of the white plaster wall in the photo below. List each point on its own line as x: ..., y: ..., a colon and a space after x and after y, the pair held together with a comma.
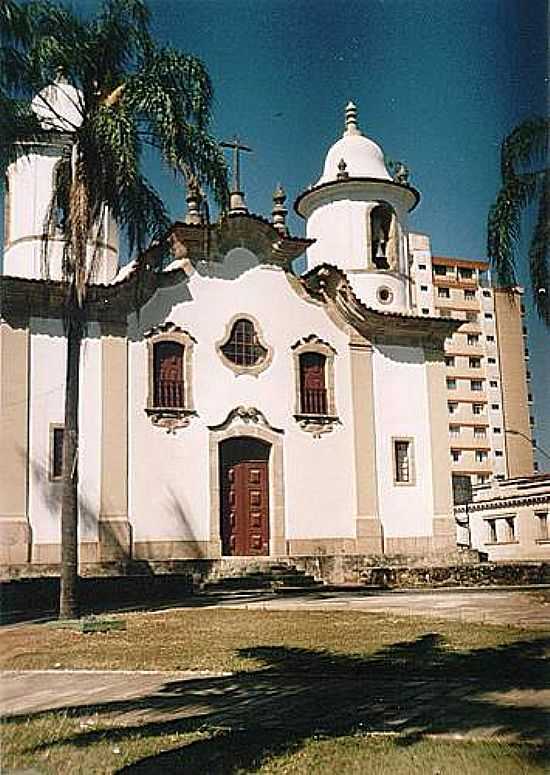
x: 47, y: 378
x: 30, y: 191
x: 401, y: 410
x: 169, y: 475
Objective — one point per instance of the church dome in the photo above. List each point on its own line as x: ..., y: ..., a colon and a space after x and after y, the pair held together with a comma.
x: 354, y: 153
x: 59, y: 107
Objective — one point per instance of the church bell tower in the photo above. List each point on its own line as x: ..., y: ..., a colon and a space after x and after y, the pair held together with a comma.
x: 357, y: 214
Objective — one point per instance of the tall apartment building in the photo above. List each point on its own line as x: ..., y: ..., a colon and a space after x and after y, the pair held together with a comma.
x: 488, y: 393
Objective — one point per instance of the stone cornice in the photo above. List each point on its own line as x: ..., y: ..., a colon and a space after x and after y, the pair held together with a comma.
x: 314, y: 195
x: 21, y: 298
x: 504, y: 503
x: 329, y: 284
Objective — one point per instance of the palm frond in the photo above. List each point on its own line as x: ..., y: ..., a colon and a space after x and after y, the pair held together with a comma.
x: 19, y: 128
x: 539, y: 260
x: 504, y: 224
x: 527, y: 143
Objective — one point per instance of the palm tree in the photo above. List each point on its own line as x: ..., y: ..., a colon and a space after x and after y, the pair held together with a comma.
x: 128, y: 93
x: 522, y: 184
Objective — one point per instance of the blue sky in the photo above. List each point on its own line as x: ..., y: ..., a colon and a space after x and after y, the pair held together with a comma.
x: 438, y: 83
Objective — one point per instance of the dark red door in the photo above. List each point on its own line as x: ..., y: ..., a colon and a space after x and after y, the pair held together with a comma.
x: 245, y: 508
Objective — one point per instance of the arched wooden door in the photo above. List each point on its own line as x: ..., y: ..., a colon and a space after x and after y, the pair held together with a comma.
x: 244, y: 496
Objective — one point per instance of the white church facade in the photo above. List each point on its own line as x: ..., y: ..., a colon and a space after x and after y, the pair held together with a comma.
x: 229, y: 407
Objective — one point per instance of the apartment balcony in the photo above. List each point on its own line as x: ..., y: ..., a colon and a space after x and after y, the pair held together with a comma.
x: 463, y: 349
x: 457, y: 304
x: 454, y: 282
x: 464, y: 443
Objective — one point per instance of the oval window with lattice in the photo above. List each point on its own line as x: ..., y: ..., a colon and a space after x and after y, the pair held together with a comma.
x: 243, y: 347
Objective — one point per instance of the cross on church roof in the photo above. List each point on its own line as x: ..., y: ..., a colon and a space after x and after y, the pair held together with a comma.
x: 236, y: 146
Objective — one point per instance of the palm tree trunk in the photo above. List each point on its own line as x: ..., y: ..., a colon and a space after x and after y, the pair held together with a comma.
x: 68, y: 602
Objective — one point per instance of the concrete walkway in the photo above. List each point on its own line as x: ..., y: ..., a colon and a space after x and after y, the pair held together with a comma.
x: 528, y: 607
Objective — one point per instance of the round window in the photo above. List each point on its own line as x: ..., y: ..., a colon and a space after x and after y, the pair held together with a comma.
x: 384, y: 295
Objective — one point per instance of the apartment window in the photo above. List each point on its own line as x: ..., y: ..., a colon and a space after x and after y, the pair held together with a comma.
x: 542, y: 525
x: 452, y: 406
x: 403, y: 464
x: 444, y: 293
x: 482, y: 478
x: 471, y: 317
x: 498, y: 453
x: 477, y: 408
x: 479, y: 432
x: 451, y: 383
x: 444, y: 313
x: 56, y: 452
x: 497, y: 430
x: 469, y: 295
x: 476, y: 385
x: 474, y: 363
x: 528, y: 374
x: 449, y: 360
x: 454, y: 430
x: 425, y: 311
x: 491, y: 531
x: 465, y: 274
x: 490, y: 338
x: 439, y: 270
x: 493, y: 383
x: 473, y: 339
x: 422, y: 266
x: 491, y: 360
x: 481, y: 455
x: 423, y: 287
x: 455, y: 455
x: 487, y: 294
x: 496, y: 407
x: 488, y: 316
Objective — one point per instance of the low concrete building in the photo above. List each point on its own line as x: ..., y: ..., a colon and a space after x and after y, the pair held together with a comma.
x: 509, y: 519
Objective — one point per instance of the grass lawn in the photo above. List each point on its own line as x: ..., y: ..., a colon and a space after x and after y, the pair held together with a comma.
x: 309, y: 692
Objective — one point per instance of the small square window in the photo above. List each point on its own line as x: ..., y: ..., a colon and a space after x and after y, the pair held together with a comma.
x: 471, y: 316
x: 491, y: 531
x: 469, y: 295
x: 479, y: 432
x: 490, y: 338
x: 496, y: 407
x: 477, y: 408
x: 422, y: 266
x: 487, y: 294
x: 498, y: 453
x: 473, y: 339
x: 481, y: 455
x: 488, y: 315
x: 453, y: 406
x: 476, y: 385
x: 439, y: 270
x: 454, y: 430
x: 465, y: 274
x: 423, y: 287
x: 482, y: 478
x: 451, y: 383
x: 455, y: 455
x: 493, y: 383
x: 444, y: 293
x: 425, y: 311
x: 491, y: 360
x: 474, y: 363
x: 497, y: 430
x: 449, y: 360
x: 444, y: 313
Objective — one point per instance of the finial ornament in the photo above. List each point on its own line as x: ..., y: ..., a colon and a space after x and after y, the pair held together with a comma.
x: 342, y: 170
x: 351, y: 120
x: 279, y: 211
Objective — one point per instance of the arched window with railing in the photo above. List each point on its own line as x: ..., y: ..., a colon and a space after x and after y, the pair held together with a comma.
x: 168, y: 375
x: 313, y: 390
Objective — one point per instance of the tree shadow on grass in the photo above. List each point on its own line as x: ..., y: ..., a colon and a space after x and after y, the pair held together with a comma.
x: 414, y: 688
